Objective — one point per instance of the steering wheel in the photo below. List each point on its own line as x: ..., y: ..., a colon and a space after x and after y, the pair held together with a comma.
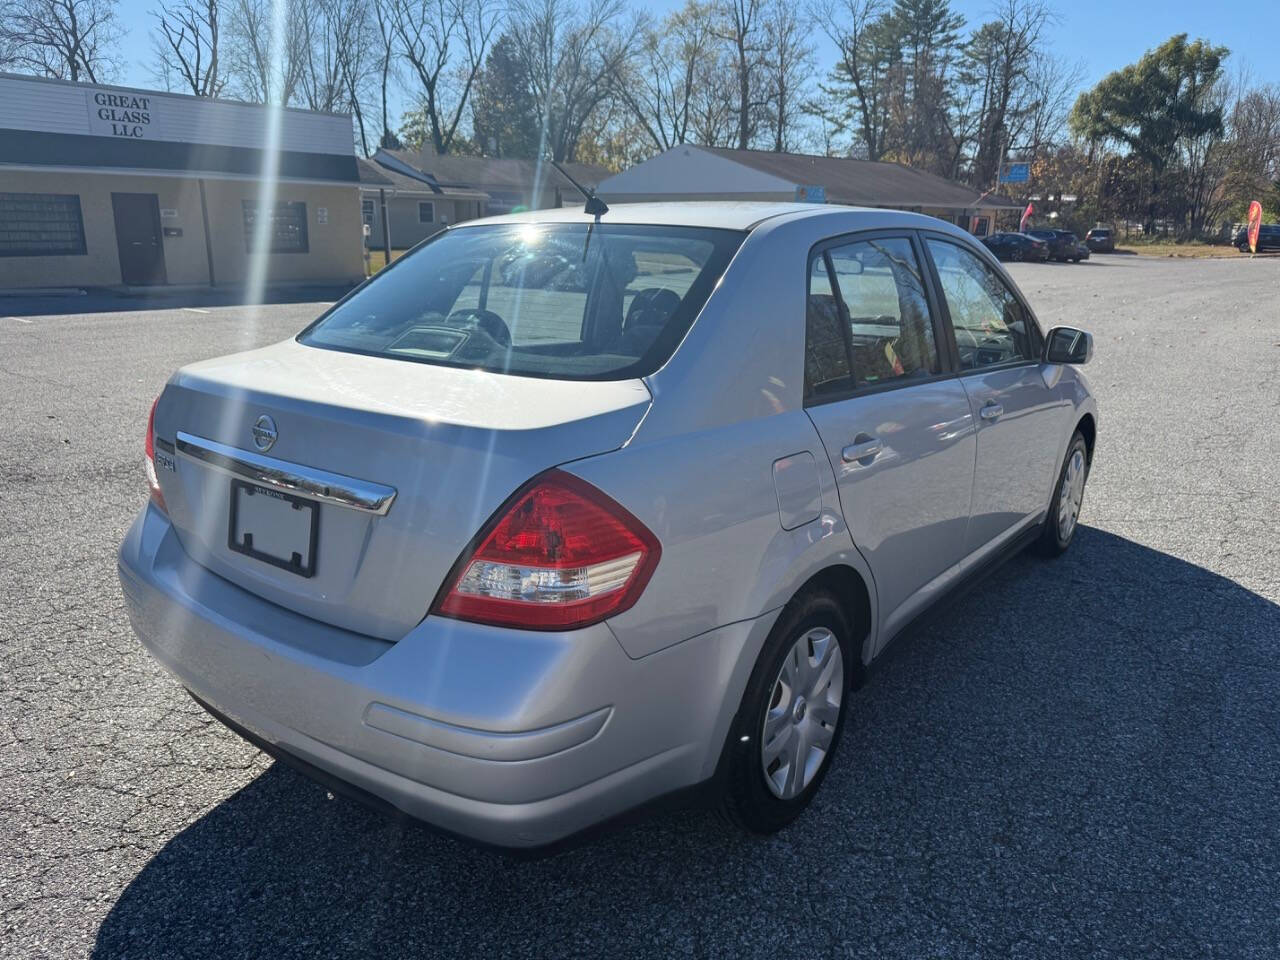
x: 486, y: 320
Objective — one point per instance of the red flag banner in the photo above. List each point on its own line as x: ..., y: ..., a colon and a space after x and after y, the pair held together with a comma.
x: 1026, y: 216
x: 1255, y: 223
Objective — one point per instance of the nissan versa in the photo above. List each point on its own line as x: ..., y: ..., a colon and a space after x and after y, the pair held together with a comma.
x: 560, y: 514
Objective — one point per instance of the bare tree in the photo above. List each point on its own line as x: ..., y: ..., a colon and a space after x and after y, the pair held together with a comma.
x: 572, y: 61
x: 358, y: 55
x: 323, y: 28
x: 1000, y: 58
x: 830, y: 123
x: 862, y: 68
x: 386, y: 66
x: 663, y: 84
x: 1051, y: 86
x: 8, y: 48
x: 63, y: 39
x: 713, y: 120
x: 1254, y: 129
x: 787, y: 66
x: 740, y: 27
x: 186, y: 39
x: 444, y: 43
x: 264, y: 50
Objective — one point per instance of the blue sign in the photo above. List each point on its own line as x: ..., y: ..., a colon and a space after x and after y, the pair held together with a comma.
x: 1015, y: 173
x: 811, y: 194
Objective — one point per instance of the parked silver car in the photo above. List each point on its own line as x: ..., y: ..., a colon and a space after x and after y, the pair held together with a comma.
x: 519, y: 549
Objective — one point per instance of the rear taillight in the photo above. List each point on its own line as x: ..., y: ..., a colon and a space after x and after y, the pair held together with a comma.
x: 559, y: 554
x: 153, y: 481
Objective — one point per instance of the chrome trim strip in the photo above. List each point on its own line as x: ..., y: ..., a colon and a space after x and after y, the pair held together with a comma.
x: 364, y: 495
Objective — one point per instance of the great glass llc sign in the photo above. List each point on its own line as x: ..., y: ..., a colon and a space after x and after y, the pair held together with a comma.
x: 118, y: 114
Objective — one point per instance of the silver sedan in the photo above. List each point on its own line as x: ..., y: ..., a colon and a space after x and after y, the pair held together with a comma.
x: 561, y: 514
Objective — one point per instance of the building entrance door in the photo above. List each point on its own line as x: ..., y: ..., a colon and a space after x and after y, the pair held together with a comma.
x: 138, y: 237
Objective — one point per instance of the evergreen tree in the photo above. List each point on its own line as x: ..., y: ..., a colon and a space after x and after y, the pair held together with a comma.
x: 503, y: 114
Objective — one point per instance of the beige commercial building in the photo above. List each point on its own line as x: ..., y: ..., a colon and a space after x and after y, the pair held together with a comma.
x: 113, y: 187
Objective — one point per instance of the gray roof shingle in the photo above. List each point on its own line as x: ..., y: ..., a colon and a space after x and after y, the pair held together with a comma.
x: 863, y: 182
x: 501, y: 173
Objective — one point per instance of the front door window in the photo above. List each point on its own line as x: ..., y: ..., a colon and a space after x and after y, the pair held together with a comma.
x: 990, y: 324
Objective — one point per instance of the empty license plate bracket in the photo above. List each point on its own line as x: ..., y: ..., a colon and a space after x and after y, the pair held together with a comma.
x: 274, y: 527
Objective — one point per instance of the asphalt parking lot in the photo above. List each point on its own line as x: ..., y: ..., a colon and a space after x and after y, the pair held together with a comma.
x: 1077, y: 758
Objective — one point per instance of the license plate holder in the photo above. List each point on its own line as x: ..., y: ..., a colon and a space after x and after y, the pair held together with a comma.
x: 274, y: 527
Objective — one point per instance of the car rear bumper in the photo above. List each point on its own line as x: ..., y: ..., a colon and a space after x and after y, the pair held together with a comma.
x: 507, y: 737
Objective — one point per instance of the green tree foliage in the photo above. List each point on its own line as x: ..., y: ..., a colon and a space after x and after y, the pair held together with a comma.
x: 502, y: 108
x: 1157, y: 108
x: 927, y: 34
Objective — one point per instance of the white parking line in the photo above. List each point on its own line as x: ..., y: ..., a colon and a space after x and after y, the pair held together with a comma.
x: 20, y: 320
x: 194, y: 310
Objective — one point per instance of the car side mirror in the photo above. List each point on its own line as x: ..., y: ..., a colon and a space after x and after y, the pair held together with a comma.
x: 1068, y: 345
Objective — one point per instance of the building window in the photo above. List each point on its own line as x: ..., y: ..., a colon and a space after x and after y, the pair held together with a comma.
x: 366, y: 211
x: 426, y: 211
x: 287, y: 231
x: 41, y: 225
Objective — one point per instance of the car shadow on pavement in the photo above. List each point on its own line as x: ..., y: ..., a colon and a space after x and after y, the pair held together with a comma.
x: 1075, y: 757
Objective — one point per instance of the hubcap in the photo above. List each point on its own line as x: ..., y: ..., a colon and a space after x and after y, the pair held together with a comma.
x: 1071, y: 495
x: 804, y: 706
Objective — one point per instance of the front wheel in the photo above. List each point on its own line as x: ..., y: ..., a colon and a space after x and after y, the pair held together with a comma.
x: 791, y: 717
x: 1068, y: 496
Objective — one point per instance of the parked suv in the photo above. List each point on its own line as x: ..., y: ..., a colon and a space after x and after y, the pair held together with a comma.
x: 1063, y: 245
x: 1268, y: 238
x: 1101, y: 240
x: 517, y: 549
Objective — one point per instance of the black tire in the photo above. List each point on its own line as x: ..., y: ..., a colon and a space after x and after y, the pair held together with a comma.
x: 1051, y: 543
x: 748, y: 801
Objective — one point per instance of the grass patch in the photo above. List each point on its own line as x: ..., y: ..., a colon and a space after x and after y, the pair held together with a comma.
x: 1165, y: 247
x: 378, y: 259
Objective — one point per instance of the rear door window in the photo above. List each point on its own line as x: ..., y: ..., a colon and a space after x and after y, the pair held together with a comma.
x: 826, y: 358
x: 877, y: 288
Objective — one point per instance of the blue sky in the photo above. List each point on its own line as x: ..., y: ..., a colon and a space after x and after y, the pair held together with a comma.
x: 1102, y: 35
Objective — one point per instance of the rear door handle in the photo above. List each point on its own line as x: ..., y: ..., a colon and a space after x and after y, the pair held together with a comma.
x: 863, y: 448
x: 991, y: 410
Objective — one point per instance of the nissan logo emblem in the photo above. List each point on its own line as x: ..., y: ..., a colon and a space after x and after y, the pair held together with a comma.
x: 264, y: 433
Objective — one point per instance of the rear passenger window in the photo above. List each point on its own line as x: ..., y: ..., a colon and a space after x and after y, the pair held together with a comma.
x: 990, y: 324
x: 881, y: 315
x: 826, y: 358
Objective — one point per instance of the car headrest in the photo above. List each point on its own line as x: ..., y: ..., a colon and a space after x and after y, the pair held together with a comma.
x: 651, y: 307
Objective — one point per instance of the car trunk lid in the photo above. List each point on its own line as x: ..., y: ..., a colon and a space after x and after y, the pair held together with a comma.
x: 404, y: 461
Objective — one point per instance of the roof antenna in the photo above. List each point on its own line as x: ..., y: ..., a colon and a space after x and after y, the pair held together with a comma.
x: 595, y: 206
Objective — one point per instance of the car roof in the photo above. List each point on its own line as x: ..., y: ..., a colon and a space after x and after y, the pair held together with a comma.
x: 722, y: 214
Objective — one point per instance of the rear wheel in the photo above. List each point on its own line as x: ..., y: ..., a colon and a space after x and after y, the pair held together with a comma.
x: 1068, y: 496
x: 791, y: 717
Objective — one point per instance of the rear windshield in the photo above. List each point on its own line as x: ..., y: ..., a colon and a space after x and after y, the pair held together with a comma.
x: 539, y: 300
